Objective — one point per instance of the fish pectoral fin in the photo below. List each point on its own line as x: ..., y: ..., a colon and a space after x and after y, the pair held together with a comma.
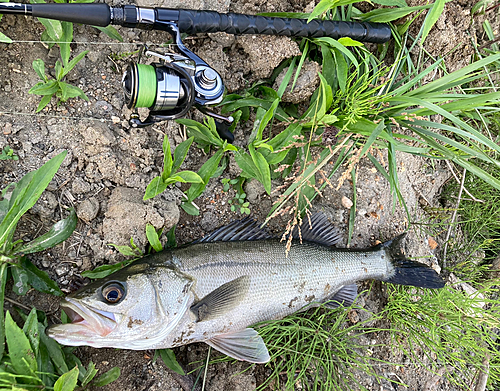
x: 344, y: 297
x: 223, y: 299
x: 245, y: 345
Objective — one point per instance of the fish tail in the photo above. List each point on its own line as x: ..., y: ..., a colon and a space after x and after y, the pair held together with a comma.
x: 408, y: 272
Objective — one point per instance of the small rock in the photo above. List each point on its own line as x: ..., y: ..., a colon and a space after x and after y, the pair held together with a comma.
x: 171, y: 214
x: 7, y: 129
x: 45, y: 206
x: 234, y: 169
x: 127, y: 216
x: 80, y: 186
x: 346, y: 202
x: 432, y: 243
x: 62, y: 269
x: 254, y: 190
x: 266, y: 52
x: 209, y: 221
x: 88, y: 209
x: 306, y: 84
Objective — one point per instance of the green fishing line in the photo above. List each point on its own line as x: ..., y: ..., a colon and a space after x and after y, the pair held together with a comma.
x: 146, y: 93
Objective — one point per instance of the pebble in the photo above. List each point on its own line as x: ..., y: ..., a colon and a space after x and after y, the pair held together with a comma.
x: 61, y: 269
x: 88, y: 209
x: 80, y: 186
x: 7, y: 128
x: 254, y: 189
x: 346, y: 202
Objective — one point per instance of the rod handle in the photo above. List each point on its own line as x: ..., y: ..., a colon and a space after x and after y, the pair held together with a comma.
x: 192, y: 22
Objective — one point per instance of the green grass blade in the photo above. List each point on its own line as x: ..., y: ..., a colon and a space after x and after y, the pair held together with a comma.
x: 38, y: 181
x: 67, y: 382
x: 39, y: 279
x: 432, y: 17
x: 21, y: 353
x: 3, y: 280
x: 153, y: 239
x: 335, y: 44
x: 73, y: 62
x: 287, y: 78
x: 4, y: 38
x: 59, y: 232
x: 469, y: 132
x: 305, y: 53
x: 111, y: 32
x: 107, y: 377
x: 352, y: 211
x: 443, y: 83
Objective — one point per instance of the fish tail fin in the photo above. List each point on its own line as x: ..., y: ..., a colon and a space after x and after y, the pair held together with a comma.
x: 408, y: 272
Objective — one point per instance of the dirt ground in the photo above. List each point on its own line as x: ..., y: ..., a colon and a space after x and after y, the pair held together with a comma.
x: 109, y: 165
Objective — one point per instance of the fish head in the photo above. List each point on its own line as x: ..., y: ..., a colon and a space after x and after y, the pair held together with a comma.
x: 134, y: 308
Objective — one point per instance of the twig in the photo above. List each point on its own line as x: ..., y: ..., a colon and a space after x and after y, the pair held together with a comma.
x: 12, y: 301
x: 448, y: 234
x: 483, y: 374
x: 431, y: 384
x: 458, y: 181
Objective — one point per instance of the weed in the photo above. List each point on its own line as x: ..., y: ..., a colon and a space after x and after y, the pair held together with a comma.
x: 239, y: 199
x: 33, y: 360
x: 122, y: 55
x: 8, y: 154
x: 454, y: 330
x: 170, y: 174
x: 49, y: 88
x: 13, y: 206
x: 61, y: 33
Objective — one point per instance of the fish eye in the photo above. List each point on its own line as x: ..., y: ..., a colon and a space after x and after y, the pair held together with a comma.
x: 113, y: 293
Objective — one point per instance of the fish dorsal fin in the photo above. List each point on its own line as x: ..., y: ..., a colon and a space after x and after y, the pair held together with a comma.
x: 221, y: 300
x: 344, y: 297
x: 246, y: 229
x: 319, y: 231
x: 245, y: 345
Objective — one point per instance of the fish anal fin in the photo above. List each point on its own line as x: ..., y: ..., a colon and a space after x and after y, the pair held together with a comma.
x: 244, y: 345
x: 223, y: 299
x: 344, y: 297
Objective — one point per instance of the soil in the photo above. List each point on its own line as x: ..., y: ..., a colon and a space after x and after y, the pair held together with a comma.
x: 109, y: 165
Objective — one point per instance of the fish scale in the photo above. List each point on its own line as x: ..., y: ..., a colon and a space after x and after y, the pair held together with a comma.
x: 280, y: 284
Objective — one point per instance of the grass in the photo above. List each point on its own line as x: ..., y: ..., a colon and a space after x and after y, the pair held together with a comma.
x: 449, y: 330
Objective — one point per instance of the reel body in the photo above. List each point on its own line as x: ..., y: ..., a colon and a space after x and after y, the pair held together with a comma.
x: 174, y: 84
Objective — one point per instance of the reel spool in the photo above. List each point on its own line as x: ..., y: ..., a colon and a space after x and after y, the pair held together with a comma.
x: 159, y: 87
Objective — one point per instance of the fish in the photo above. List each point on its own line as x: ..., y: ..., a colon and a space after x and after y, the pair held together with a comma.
x: 214, y: 289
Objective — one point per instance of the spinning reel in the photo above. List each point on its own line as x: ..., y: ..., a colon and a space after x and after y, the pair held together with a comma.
x: 171, y: 86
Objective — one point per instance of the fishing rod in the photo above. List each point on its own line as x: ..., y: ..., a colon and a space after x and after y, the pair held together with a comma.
x: 170, y: 87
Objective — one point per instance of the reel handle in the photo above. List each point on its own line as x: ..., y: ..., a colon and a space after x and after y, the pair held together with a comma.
x: 192, y: 22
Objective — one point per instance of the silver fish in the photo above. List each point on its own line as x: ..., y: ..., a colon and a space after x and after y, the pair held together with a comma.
x: 215, y: 288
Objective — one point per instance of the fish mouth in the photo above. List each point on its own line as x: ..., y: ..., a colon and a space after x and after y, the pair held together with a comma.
x: 87, y: 324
